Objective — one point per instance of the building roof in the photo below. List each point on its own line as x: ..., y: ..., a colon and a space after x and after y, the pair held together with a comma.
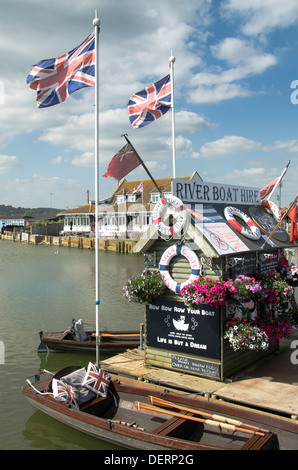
x: 124, y: 188
x: 87, y: 209
x: 127, y: 187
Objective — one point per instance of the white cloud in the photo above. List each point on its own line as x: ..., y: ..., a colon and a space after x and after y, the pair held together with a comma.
x: 7, y: 163
x: 261, y: 17
x: 223, y: 84
x: 86, y: 160
x: 228, y: 146
x: 255, y: 177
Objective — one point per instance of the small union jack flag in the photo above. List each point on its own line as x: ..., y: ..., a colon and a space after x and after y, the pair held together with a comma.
x: 151, y: 103
x: 139, y: 189
x: 55, y: 79
x: 97, y: 380
x: 65, y: 393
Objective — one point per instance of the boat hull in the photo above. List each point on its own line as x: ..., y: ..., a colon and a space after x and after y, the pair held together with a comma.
x: 103, y: 420
x: 112, y: 342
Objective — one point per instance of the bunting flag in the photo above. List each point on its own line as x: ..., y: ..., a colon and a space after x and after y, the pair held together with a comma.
x: 270, y: 187
x: 293, y: 216
x: 266, y: 191
x: 151, y: 103
x: 122, y: 163
x: 55, y: 79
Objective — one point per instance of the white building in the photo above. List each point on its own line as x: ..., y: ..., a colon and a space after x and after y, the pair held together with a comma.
x: 127, y: 213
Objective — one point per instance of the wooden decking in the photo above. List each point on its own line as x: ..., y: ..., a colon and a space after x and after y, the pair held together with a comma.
x: 271, y: 385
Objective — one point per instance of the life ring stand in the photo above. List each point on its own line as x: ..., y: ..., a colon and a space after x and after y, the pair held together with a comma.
x: 164, y: 264
x: 253, y: 233
x: 182, y: 218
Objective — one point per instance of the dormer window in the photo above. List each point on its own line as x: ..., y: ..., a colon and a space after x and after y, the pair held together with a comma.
x: 120, y: 199
x: 156, y: 196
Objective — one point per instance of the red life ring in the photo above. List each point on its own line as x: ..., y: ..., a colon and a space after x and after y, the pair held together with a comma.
x: 253, y: 233
x: 165, y: 263
x: 182, y: 217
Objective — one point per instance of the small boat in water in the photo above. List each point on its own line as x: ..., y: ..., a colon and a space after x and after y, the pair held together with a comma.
x: 77, y: 340
x: 138, y: 415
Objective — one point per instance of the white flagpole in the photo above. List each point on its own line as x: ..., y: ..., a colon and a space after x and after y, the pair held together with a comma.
x: 171, y: 65
x: 279, y: 180
x: 96, y: 24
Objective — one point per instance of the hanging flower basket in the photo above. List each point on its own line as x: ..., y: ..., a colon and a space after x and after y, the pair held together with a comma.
x: 205, y: 290
x: 288, y: 273
x: 275, y: 328
x: 144, y: 287
x: 278, y: 295
x: 247, y: 289
x: 245, y: 334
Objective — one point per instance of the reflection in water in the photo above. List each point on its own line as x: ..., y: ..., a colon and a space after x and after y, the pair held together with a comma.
x: 43, y: 288
x: 44, y: 432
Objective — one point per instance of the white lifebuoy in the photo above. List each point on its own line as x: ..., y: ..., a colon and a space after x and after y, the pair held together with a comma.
x: 182, y: 217
x: 254, y: 232
x: 273, y: 209
x: 165, y: 262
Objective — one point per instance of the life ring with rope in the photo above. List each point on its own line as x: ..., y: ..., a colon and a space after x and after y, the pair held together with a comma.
x: 182, y: 217
x: 253, y: 232
x: 164, y: 264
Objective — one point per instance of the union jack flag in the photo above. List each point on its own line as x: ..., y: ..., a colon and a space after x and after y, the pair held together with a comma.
x: 151, y: 103
x: 65, y: 393
x: 55, y: 79
x: 139, y: 189
x: 97, y: 380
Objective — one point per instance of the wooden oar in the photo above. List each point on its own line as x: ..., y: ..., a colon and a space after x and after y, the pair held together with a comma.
x: 144, y: 407
x: 224, y: 419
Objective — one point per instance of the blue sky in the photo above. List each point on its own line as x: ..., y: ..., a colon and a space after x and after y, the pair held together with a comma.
x: 235, y: 120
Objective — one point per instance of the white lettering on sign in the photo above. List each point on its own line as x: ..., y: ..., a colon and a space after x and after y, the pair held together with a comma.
x: 200, y: 192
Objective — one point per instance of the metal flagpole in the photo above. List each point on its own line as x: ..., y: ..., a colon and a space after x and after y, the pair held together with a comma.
x: 96, y: 24
x: 171, y: 65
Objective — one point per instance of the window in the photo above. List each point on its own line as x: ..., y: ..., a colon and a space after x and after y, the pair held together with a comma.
x: 156, y: 196
x: 120, y: 199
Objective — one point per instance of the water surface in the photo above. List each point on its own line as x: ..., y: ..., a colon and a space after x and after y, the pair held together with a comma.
x: 43, y: 288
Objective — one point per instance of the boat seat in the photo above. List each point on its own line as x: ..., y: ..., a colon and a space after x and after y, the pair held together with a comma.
x: 97, y: 402
x: 174, y: 424
x: 260, y: 442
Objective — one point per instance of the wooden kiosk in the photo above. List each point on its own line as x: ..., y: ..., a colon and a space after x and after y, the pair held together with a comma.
x: 191, y: 341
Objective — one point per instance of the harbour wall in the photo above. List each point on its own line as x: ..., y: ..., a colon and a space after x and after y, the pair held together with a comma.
x: 104, y: 244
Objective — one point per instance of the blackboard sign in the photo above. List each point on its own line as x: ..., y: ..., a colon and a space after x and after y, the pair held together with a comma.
x: 243, y: 264
x: 268, y: 262
x: 197, y: 366
x: 173, y: 326
x: 267, y: 223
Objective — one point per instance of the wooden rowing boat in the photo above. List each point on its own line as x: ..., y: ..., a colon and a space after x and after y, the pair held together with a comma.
x: 111, y: 342
x: 138, y: 415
